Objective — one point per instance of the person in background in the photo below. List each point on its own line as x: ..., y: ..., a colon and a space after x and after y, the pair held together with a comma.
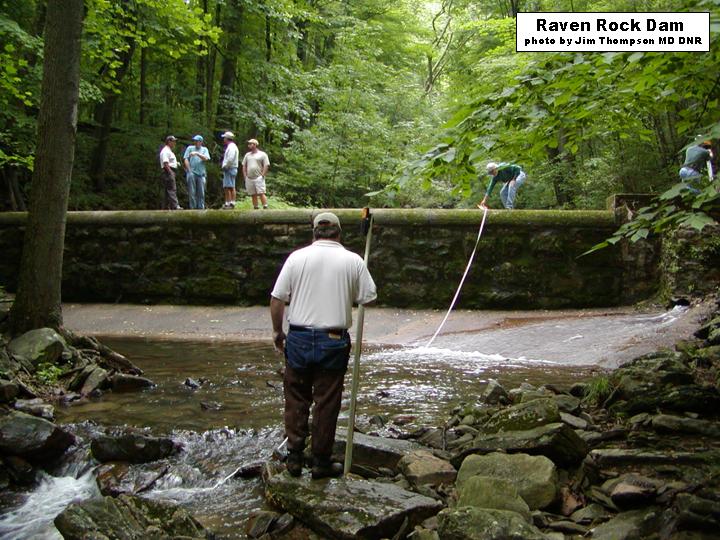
x: 512, y: 177
x: 168, y: 164
x: 194, y: 160
x: 696, y: 159
x: 230, y: 168
x: 255, y: 167
x: 320, y: 282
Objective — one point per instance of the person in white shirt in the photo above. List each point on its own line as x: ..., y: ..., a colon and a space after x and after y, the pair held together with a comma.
x: 168, y: 164
x: 320, y: 282
x: 255, y: 167
x: 230, y: 168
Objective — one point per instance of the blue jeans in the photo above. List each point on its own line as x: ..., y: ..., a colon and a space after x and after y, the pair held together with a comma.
x: 196, y: 190
x: 509, y: 191
x: 309, y: 349
x: 691, y: 178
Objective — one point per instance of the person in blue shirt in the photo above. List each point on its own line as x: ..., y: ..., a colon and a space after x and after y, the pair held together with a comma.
x: 194, y: 159
x: 697, y: 157
x: 511, y: 176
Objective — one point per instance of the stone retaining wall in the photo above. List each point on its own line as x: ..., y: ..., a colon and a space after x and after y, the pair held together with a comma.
x: 527, y: 259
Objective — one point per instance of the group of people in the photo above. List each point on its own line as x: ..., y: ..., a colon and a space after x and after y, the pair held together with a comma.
x: 255, y: 166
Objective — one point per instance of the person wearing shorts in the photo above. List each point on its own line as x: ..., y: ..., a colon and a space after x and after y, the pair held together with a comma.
x: 229, y: 168
x: 255, y: 167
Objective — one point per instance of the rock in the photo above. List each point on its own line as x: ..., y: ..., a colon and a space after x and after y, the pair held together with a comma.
x: 579, y: 389
x: 376, y: 452
x: 568, y: 527
x: 681, y: 424
x: 80, y: 377
x: 96, y: 380
x: 20, y: 471
x: 573, y: 421
x: 569, y: 501
x: 35, y: 407
x: 250, y: 470
x: 119, y: 478
x: 40, y: 346
x: 122, y: 382
x: 567, y: 404
x: 282, y: 525
x: 494, y: 394
x: 434, y: 438
x: 133, y: 448
x: 261, y: 523
x: 8, y: 391
x: 191, y: 383
x: 32, y: 438
x: 697, y: 513
x: 534, y: 477
x: 589, y: 515
x: 497, y: 493
x: 424, y: 534
x: 421, y: 467
x: 596, y: 438
x: 347, y: 508
x: 690, y: 397
x: 531, y: 395
x: 632, y: 525
x: 524, y: 416
x: 211, y: 405
x: 127, y: 517
x: 557, y: 442
x: 632, y: 491
x: 470, y: 523
x: 621, y: 457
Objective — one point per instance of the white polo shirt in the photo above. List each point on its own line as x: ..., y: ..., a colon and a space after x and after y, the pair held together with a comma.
x: 321, y: 282
x: 168, y: 156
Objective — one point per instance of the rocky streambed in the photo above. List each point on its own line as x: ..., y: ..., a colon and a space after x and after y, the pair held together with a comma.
x: 630, y: 454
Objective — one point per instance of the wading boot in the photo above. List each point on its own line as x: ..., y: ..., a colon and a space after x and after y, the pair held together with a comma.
x: 325, y: 468
x: 294, y: 463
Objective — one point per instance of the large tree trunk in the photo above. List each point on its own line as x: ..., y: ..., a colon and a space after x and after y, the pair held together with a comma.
x: 231, y: 25
x: 37, y: 303
x: 143, y: 85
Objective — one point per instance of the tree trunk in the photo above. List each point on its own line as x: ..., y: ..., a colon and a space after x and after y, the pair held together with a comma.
x: 232, y: 24
x: 104, y: 115
x: 37, y: 303
x: 143, y: 85
x: 17, y: 202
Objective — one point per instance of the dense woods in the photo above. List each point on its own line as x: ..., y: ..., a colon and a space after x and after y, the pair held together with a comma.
x: 406, y: 100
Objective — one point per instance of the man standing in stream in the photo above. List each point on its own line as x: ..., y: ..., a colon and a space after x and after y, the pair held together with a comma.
x: 320, y: 282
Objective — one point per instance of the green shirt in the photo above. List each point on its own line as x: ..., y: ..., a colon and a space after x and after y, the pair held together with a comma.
x: 505, y: 173
x: 696, y: 157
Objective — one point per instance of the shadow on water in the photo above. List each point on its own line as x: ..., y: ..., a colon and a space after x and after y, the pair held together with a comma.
x: 420, y: 385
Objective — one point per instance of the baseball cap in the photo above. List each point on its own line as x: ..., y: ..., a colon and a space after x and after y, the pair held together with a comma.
x: 170, y: 138
x: 228, y: 135
x: 490, y: 166
x: 327, y: 217
x: 198, y: 138
x: 252, y: 141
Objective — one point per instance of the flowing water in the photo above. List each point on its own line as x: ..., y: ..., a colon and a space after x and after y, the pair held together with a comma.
x: 235, y: 418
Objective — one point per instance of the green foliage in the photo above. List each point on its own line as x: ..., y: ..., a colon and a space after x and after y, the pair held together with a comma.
x: 48, y: 373
x: 599, y: 389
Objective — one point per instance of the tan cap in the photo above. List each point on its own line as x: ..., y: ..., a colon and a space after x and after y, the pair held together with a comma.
x: 228, y: 135
x: 326, y: 217
x: 253, y: 141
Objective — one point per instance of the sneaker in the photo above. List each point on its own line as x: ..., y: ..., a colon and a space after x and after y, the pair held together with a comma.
x: 294, y: 463
x: 325, y: 468
x: 232, y: 204
x: 265, y: 206
x: 256, y: 208
x: 178, y: 207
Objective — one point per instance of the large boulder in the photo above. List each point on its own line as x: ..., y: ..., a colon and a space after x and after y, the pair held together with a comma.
x: 132, y: 448
x: 127, y: 518
x: 534, y: 477
x: 120, y: 478
x: 524, y: 416
x: 8, y: 391
x: 40, y: 346
x: 422, y: 467
x: 96, y: 380
x: 32, y: 438
x: 347, y: 508
x: 35, y: 407
x: 376, y: 452
x: 471, y: 523
x: 682, y: 424
x: 488, y: 492
x: 557, y: 442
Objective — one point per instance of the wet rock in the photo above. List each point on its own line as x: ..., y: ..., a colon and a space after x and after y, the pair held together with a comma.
x: 119, y: 478
x: 434, y: 438
x: 122, y: 382
x: 261, y: 523
x: 282, y: 525
x: 681, y: 424
x: 346, y: 508
x: 32, y: 438
x: 77, y: 382
x: 589, y: 515
x: 43, y: 345
x: 534, y: 477
x: 567, y: 404
x: 191, y: 383
x: 211, y: 405
x: 35, y: 407
x: 573, y: 421
x: 487, y: 492
x: 557, y: 442
x: 8, y: 391
x: 96, y: 380
x: 470, y: 523
x: 494, y: 394
x: 524, y: 416
x: 376, y: 451
x: 632, y: 525
x: 127, y: 517
x: 20, y: 471
x: 133, y: 448
x: 250, y: 470
x: 377, y: 421
x: 421, y: 467
x: 626, y: 457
